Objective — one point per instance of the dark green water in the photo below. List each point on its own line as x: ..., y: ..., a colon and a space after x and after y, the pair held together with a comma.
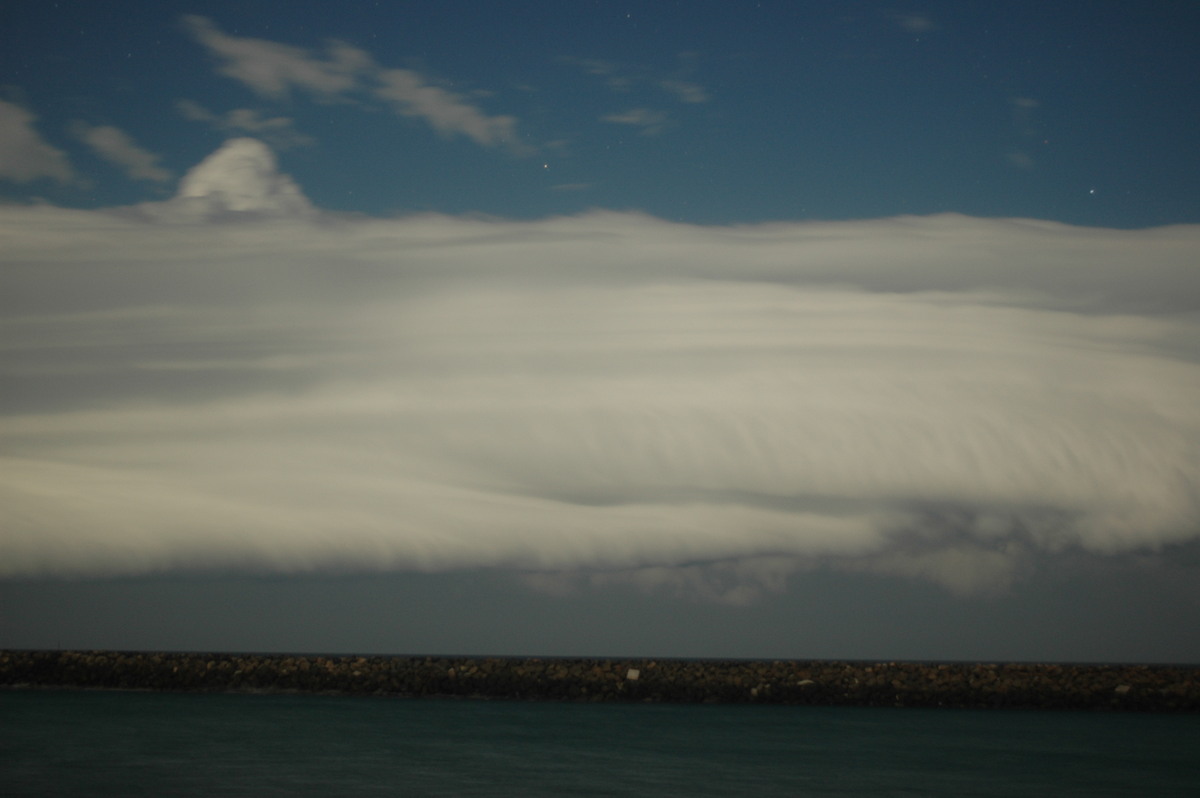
x: 131, y: 744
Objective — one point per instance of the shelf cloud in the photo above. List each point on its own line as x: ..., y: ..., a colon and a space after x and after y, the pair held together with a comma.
x: 592, y: 399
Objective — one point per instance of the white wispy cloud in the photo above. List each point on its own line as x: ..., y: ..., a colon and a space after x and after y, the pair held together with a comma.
x: 346, y: 72
x: 446, y: 111
x: 600, y: 399
x: 24, y: 155
x: 274, y: 69
x: 1022, y: 160
x: 115, y: 146
x: 685, y: 91
x: 623, y: 78
x: 279, y: 131
x: 650, y: 121
x: 616, y: 76
x: 1026, y: 131
x: 913, y: 23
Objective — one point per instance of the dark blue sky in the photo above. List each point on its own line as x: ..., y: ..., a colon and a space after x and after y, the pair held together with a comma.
x: 709, y: 112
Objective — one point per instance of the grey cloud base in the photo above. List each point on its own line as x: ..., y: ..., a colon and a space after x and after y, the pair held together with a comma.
x: 595, y: 399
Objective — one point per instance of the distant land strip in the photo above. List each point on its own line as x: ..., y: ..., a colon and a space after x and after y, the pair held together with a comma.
x: 1144, y: 688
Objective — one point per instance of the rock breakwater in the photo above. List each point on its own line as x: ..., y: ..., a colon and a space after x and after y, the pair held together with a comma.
x: 1155, y: 688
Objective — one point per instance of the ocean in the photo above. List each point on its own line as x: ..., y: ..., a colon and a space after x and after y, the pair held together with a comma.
x: 64, y: 742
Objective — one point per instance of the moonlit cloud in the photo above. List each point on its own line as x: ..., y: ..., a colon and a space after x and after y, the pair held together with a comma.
x: 623, y: 78
x: 273, y: 70
x: 614, y: 74
x: 446, y: 111
x: 115, y: 146
x: 650, y: 121
x: 914, y: 23
x: 685, y: 91
x: 279, y: 131
x: 600, y: 399
x: 238, y: 180
x: 1021, y: 160
x: 24, y: 155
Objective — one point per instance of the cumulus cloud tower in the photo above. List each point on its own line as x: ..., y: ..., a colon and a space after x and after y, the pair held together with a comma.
x: 242, y: 177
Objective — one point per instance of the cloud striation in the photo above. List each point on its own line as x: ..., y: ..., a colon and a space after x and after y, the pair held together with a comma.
x: 585, y: 400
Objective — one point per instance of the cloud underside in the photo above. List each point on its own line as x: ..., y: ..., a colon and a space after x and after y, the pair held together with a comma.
x: 600, y: 399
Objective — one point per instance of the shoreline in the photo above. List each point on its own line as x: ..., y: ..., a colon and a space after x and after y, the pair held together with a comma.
x: 1138, y: 688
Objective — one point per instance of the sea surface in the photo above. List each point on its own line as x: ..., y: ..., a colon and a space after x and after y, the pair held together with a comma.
x: 61, y: 742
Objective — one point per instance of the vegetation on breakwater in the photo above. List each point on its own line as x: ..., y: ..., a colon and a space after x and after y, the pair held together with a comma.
x: 1158, y: 688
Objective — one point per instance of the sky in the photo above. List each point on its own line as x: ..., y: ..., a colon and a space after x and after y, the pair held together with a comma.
x: 745, y: 330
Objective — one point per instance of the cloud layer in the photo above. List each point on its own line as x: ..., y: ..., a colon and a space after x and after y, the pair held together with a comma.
x: 610, y: 396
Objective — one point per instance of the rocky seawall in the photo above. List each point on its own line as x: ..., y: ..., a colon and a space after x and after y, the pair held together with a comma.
x: 1151, y: 688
